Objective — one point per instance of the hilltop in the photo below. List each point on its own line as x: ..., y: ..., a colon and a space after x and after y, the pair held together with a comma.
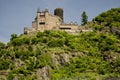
x: 58, y: 55
x: 108, y: 22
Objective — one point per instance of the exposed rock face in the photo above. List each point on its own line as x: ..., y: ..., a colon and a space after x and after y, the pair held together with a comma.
x: 64, y: 58
x: 60, y: 58
x: 43, y: 73
x: 56, y: 59
x: 112, y: 78
x: 115, y: 30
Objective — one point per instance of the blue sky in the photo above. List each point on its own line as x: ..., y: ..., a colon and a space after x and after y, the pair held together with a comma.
x: 17, y: 14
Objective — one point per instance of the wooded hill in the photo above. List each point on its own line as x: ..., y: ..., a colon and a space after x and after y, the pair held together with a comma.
x: 57, y: 55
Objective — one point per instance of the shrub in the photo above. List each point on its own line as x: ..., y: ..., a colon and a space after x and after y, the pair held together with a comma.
x: 26, y: 40
x: 2, y: 45
x: 34, y: 40
x: 13, y: 36
x: 56, y: 42
x: 39, y: 35
x: 17, y: 42
x: 43, y: 60
x: 4, y: 64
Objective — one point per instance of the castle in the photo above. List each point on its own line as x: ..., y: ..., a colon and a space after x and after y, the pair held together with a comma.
x: 46, y: 21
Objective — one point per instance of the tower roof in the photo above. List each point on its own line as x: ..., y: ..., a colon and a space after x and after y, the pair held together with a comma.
x: 46, y: 10
x: 38, y: 11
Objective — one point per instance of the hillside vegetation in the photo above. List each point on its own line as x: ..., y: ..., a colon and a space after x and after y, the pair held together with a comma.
x: 108, y: 22
x: 57, y: 55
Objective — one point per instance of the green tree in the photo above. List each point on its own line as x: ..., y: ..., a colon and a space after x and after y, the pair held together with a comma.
x: 2, y: 45
x: 4, y: 64
x: 17, y: 42
x: 84, y: 18
x: 13, y: 36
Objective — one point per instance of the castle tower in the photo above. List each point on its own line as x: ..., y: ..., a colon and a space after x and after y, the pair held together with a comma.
x: 59, y: 12
x: 40, y: 20
x: 46, y: 12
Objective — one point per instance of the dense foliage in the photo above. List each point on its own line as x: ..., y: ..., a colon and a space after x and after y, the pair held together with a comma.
x: 110, y: 18
x: 108, y: 21
x: 99, y: 54
x: 87, y: 55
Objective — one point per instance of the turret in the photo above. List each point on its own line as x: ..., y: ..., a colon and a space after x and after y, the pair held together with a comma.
x: 46, y: 12
x: 38, y: 11
x: 59, y: 12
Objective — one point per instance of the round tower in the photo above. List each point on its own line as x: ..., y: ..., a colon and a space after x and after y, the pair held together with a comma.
x: 59, y: 12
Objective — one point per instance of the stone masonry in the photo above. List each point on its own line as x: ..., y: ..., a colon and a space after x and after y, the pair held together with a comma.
x: 46, y: 21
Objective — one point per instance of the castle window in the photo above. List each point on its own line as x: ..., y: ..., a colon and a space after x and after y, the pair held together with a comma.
x: 65, y: 28
x: 42, y: 14
x: 42, y: 23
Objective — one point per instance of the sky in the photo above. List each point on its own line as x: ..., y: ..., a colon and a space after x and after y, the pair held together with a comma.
x: 17, y: 14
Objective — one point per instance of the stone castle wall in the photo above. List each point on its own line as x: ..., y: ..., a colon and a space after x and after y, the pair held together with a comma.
x: 46, y: 21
